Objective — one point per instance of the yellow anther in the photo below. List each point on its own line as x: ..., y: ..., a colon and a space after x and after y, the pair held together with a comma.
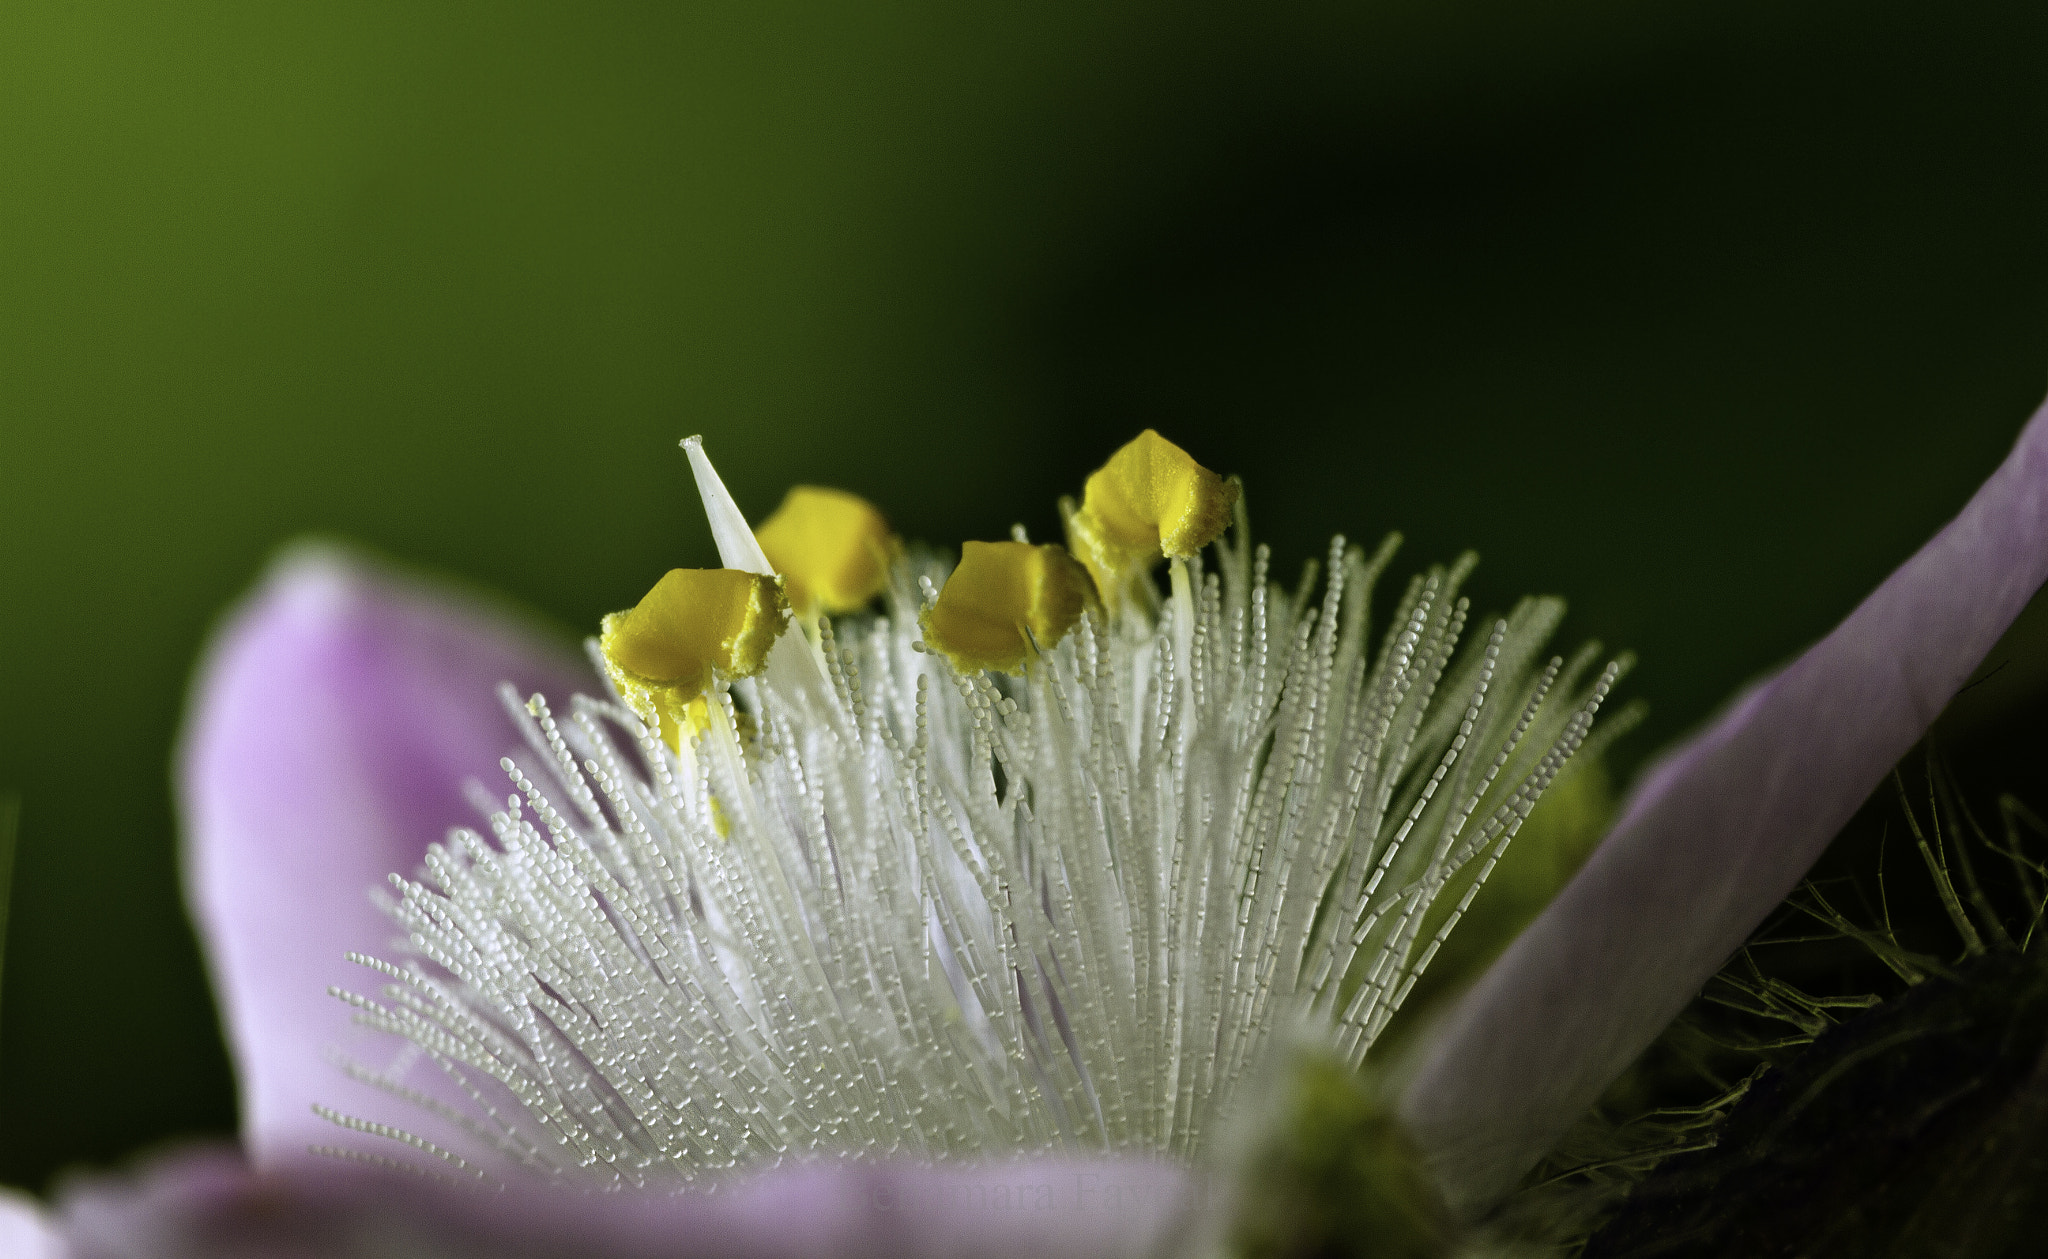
x: 832, y: 549
x: 1002, y: 598
x: 694, y: 624
x: 1150, y: 499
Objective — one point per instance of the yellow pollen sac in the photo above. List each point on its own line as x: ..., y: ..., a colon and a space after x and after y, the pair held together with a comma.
x: 832, y: 549
x: 694, y: 624
x: 1002, y: 598
x: 1150, y: 499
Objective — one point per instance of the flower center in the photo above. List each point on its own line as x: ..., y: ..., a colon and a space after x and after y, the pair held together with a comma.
x: 924, y: 910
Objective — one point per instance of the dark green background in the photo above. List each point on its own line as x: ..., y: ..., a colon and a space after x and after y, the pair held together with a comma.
x: 1703, y: 314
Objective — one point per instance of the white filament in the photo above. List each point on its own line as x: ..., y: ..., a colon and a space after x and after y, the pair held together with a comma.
x: 959, y: 915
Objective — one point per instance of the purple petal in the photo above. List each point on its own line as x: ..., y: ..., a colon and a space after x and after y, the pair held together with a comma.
x: 25, y: 1232
x: 207, y: 1205
x: 1715, y: 837
x: 333, y: 723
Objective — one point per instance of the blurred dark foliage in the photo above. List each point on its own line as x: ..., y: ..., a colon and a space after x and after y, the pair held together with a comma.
x: 1915, y: 1128
x: 1701, y: 314
x: 1914, y: 1131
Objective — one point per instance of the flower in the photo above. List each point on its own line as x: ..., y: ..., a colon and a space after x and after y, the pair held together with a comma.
x: 335, y: 721
x: 980, y: 875
x: 331, y: 683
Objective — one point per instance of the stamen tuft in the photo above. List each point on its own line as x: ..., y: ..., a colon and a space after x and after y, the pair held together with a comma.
x: 1001, y: 870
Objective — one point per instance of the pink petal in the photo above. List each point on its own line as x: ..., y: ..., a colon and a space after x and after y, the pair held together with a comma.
x: 207, y: 1205
x: 332, y: 725
x: 25, y: 1232
x: 1715, y: 837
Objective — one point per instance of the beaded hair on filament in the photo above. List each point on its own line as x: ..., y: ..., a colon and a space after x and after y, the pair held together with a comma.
x: 928, y: 913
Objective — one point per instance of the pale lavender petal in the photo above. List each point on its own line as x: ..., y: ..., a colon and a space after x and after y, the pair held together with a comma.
x: 1715, y: 837
x: 332, y: 725
x: 25, y: 1232
x: 208, y: 1205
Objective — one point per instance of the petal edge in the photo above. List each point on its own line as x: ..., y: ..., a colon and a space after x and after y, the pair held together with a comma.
x: 1714, y: 837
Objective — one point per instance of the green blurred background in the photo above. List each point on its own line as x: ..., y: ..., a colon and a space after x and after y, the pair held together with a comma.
x: 1702, y: 314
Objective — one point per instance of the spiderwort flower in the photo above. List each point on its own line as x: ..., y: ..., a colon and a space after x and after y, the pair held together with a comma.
x: 1170, y: 851
x: 336, y: 720
x: 879, y: 902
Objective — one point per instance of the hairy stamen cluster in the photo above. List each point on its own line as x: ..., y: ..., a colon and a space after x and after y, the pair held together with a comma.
x: 925, y: 914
